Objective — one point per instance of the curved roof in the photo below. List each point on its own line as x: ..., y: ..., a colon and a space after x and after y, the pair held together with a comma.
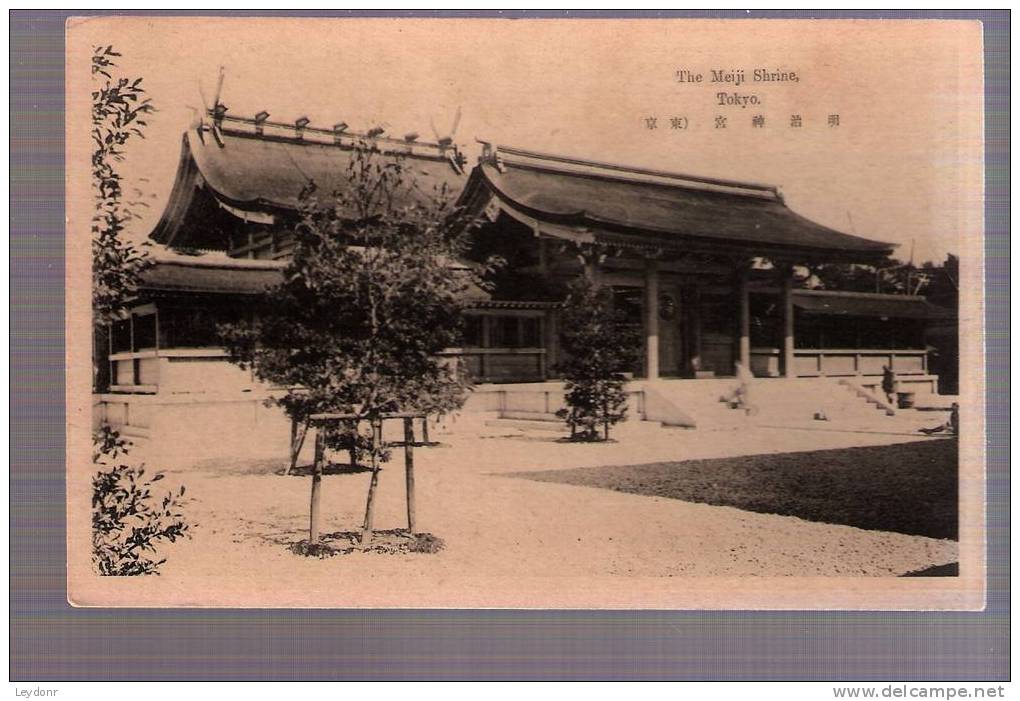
x: 675, y: 209
x: 257, y: 178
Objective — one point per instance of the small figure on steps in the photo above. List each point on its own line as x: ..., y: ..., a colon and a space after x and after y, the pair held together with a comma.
x: 953, y: 425
x: 889, y: 383
x: 740, y: 397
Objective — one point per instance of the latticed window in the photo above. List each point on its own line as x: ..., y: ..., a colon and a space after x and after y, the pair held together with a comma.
x: 145, y: 332
x: 192, y: 328
x: 471, y: 333
x: 504, y: 332
x: 121, y: 336
x: 531, y: 332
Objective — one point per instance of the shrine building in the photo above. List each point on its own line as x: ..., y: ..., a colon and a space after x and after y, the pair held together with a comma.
x: 706, y: 271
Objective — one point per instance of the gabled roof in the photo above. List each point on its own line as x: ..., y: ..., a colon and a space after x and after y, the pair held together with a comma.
x: 259, y: 176
x: 612, y: 203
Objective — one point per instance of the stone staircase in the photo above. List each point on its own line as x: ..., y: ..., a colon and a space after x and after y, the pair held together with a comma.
x: 694, y: 404
x: 795, y: 403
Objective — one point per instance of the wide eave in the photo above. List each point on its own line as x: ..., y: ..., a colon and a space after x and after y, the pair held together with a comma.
x: 174, y: 274
x: 615, y: 205
x: 838, y: 303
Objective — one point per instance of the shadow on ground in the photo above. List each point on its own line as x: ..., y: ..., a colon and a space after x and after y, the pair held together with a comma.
x: 950, y: 570
x: 386, y: 542
x: 907, y: 488
x: 332, y: 468
x: 231, y: 467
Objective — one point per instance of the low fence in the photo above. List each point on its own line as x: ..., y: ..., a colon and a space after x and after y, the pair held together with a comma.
x: 840, y: 362
x: 536, y: 399
x: 502, y: 364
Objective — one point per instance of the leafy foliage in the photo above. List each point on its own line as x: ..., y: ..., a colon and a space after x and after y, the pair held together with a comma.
x: 598, y: 351
x: 891, y: 276
x: 943, y: 286
x: 852, y: 277
x: 369, y: 300
x: 118, y: 110
x: 127, y: 520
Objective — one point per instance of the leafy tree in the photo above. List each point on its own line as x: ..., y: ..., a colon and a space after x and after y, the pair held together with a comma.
x: 943, y: 289
x: 943, y: 286
x: 369, y: 299
x: 119, y: 106
x: 598, y: 351
x: 127, y: 521
x: 940, y: 283
x: 888, y: 276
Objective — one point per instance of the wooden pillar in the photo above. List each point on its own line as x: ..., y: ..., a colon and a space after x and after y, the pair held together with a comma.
x: 552, y: 343
x: 692, y: 327
x: 483, y: 358
x: 744, y: 296
x: 651, y: 320
x: 789, y: 369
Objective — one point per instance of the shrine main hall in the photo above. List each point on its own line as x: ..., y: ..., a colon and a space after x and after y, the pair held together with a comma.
x: 708, y: 272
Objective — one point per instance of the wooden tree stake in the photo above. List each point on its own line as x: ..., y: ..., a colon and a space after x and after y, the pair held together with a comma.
x: 366, y: 529
x: 297, y: 442
x: 293, y: 442
x: 409, y: 470
x: 313, y: 527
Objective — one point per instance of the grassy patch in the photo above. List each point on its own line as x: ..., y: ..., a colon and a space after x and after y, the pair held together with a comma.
x: 907, y: 487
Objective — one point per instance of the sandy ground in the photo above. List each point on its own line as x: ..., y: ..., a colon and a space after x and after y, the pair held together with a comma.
x: 516, y: 542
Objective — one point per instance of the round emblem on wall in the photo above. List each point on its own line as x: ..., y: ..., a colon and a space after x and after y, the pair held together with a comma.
x: 667, y: 307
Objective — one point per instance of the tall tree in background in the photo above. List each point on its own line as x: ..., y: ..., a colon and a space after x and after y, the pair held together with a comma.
x: 370, y: 299
x: 888, y: 276
x: 598, y: 350
x: 943, y: 286
x: 119, y: 106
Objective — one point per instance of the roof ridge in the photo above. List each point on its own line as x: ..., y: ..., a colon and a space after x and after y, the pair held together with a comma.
x: 317, y: 136
x: 619, y: 172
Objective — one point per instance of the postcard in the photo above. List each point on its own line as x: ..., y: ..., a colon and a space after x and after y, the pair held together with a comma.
x: 538, y: 314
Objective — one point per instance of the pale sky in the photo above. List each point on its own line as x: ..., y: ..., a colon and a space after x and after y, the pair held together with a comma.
x: 903, y: 165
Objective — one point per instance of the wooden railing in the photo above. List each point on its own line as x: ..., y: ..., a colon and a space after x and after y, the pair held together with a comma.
x: 841, y: 362
x: 502, y: 364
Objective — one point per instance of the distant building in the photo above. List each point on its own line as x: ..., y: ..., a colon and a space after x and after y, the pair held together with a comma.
x: 704, y: 268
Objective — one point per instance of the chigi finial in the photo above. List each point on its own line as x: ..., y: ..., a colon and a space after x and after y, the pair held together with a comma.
x: 260, y: 121
x: 340, y: 134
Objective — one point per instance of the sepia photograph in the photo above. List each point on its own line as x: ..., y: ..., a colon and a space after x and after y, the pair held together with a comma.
x: 555, y: 314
